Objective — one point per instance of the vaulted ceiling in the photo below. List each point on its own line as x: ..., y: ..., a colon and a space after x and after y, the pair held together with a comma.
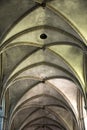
x: 43, y: 64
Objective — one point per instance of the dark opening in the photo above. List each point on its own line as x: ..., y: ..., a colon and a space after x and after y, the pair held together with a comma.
x: 43, y: 36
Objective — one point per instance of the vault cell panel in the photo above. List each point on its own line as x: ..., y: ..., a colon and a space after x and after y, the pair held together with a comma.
x: 74, y: 58
x: 40, y: 56
x: 53, y: 35
x: 64, y: 85
x: 13, y: 56
x: 65, y: 115
x: 44, y: 89
x: 22, y: 115
x: 19, y: 88
x: 49, y: 114
x: 40, y: 113
x: 44, y: 101
x: 73, y: 14
x: 40, y: 16
x: 50, y: 61
x: 34, y: 58
x: 12, y: 10
x: 43, y: 71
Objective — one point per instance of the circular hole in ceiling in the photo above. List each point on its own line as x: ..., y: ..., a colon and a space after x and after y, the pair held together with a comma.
x: 43, y: 36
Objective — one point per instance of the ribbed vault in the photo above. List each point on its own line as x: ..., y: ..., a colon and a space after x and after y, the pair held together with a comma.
x: 43, y: 71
